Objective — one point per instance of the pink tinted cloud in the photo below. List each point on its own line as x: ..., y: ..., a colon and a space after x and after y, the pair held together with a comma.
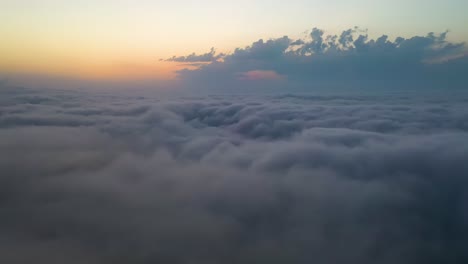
x: 260, y: 75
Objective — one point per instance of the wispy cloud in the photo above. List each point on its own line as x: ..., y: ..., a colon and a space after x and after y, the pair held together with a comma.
x: 194, y: 58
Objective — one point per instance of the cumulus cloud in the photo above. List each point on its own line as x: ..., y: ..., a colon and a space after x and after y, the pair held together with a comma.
x: 194, y: 58
x: 89, y: 177
x: 349, y: 58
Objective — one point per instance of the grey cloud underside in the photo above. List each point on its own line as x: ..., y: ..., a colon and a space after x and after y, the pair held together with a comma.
x: 350, y: 58
x: 101, y: 178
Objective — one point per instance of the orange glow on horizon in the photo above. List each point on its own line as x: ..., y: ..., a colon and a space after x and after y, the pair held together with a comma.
x: 117, y: 70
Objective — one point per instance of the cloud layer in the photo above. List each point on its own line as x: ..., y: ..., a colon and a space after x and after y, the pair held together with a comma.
x: 348, y: 59
x: 123, y: 178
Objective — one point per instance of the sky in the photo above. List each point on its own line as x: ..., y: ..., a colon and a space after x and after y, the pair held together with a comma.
x: 115, y: 40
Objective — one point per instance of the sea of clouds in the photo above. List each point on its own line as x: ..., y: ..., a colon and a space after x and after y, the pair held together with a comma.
x: 103, y: 177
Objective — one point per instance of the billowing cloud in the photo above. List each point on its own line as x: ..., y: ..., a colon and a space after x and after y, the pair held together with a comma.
x: 194, y: 58
x: 348, y: 59
x: 88, y: 177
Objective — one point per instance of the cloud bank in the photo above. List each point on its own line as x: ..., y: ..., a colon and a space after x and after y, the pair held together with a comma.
x: 100, y: 177
x: 347, y: 59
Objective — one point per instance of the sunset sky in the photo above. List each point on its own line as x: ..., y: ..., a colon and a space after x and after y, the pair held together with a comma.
x: 123, y: 39
x: 233, y: 132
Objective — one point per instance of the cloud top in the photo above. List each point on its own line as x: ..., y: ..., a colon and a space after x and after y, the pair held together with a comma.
x: 350, y: 58
x: 106, y: 177
x: 194, y: 58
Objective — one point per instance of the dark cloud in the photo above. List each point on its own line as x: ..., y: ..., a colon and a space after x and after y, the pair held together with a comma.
x: 194, y: 58
x: 88, y: 177
x: 348, y: 59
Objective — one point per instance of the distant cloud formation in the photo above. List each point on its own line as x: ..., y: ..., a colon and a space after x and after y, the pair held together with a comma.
x: 350, y: 58
x: 194, y: 58
x: 106, y: 177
